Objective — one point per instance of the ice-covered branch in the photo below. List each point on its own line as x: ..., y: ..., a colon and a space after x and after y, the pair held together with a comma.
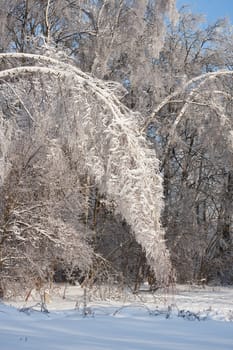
x: 192, y: 86
x: 115, y: 154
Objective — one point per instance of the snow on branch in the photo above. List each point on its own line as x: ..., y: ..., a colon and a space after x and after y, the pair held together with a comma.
x: 115, y: 153
x: 194, y: 88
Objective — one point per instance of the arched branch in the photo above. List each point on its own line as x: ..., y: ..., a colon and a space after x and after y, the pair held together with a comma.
x: 192, y: 86
x: 191, y: 89
x: 117, y: 155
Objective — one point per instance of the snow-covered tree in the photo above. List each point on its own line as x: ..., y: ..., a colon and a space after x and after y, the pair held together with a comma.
x: 101, y: 137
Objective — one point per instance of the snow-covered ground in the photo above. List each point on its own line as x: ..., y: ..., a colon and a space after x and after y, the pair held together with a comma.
x: 191, y: 318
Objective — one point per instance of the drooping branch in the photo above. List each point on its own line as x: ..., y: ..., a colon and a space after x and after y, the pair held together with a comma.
x: 115, y: 154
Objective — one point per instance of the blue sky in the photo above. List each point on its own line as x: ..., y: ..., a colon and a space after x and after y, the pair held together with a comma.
x: 213, y: 9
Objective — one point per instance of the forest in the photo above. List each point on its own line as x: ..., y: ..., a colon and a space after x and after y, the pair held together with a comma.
x: 116, y: 140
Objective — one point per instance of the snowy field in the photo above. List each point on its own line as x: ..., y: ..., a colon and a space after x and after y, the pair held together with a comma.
x: 191, y: 318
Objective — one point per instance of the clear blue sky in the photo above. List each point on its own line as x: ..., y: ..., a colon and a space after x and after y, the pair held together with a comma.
x: 212, y: 9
